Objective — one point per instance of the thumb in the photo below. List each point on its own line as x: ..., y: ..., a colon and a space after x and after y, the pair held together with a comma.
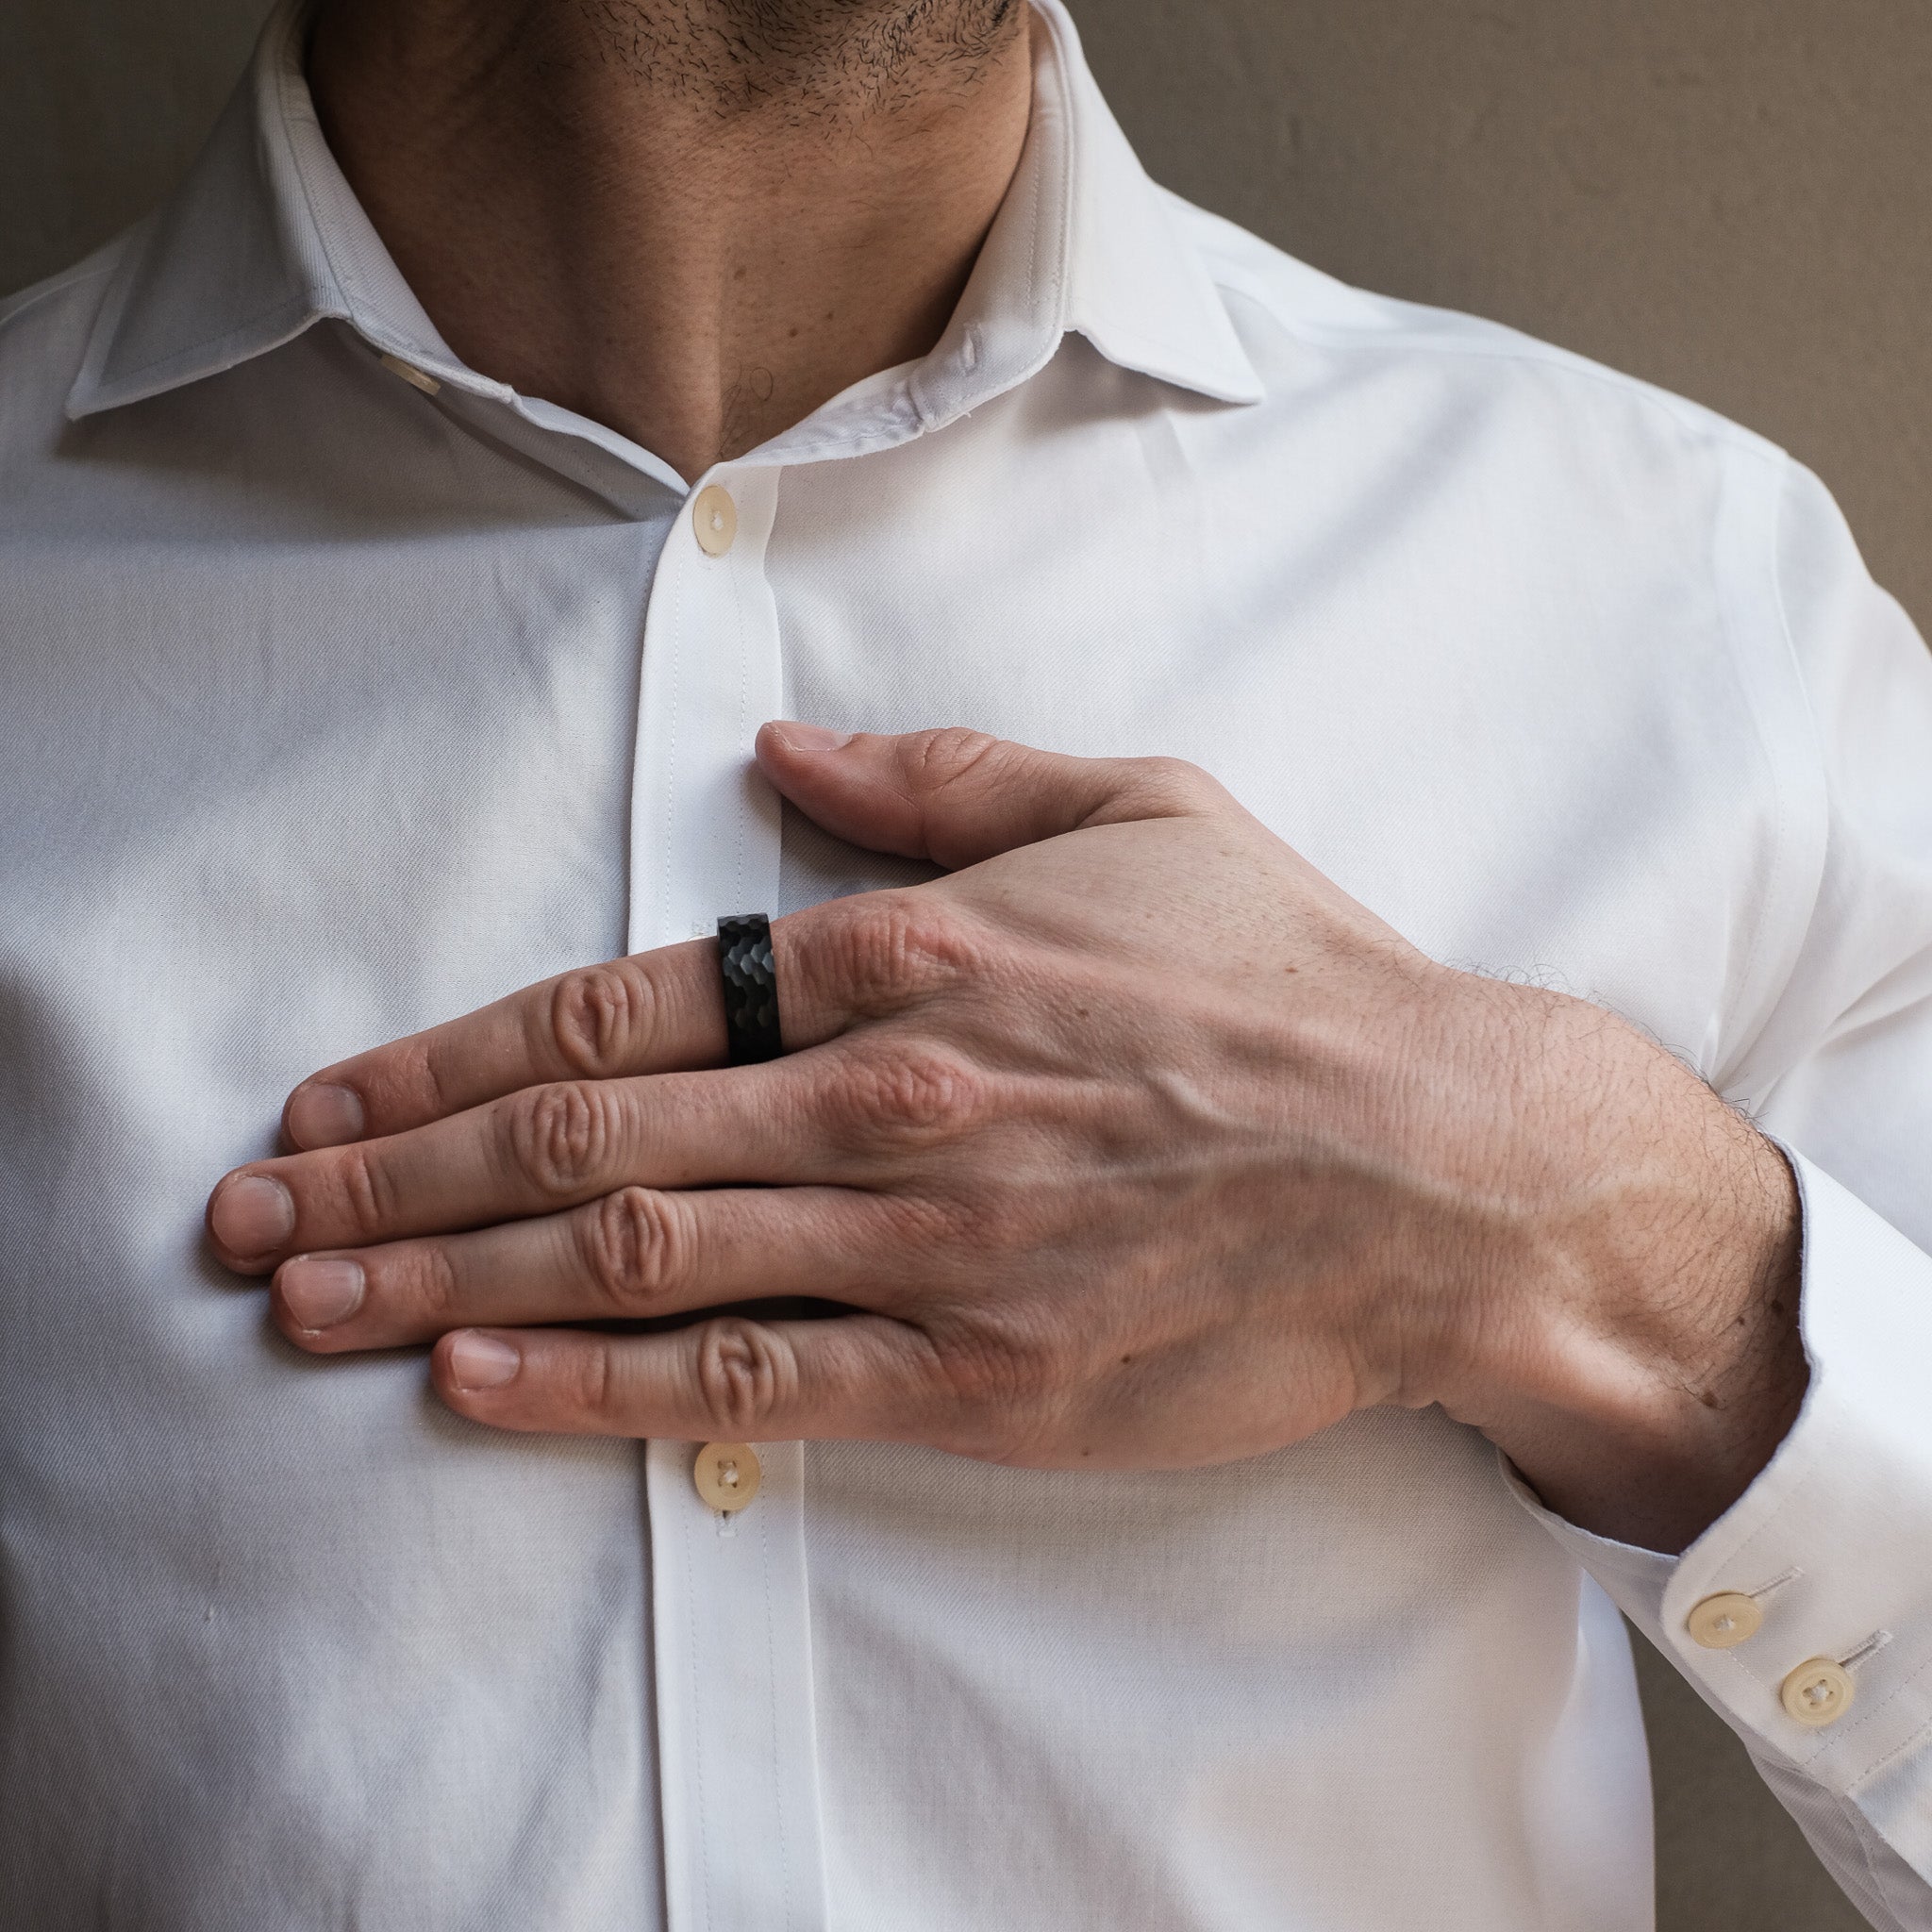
x: 958, y: 796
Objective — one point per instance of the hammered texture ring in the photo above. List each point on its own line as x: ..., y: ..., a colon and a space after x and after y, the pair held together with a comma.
x: 751, y: 988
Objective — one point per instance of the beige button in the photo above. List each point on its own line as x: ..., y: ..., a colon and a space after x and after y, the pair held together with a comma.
x: 714, y: 517
x: 411, y: 374
x: 726, y: 1474
x: 1818, y: 1693
x: 1723, y: 1619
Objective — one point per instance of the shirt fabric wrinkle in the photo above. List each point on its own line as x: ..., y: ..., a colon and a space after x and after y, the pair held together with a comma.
x: 333, y: 711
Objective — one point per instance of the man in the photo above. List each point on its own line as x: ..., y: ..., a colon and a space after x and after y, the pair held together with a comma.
x: 1265, y: 1208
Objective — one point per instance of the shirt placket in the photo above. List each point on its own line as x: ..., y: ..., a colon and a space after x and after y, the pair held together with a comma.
x: 736, y: 1746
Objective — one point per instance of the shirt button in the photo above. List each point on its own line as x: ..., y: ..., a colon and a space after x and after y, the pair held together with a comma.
x: 726, y: 1474
x: 415, y: 378
x: 714, y: 517
x: 1720, y: 1620
x: 1818, y: 1693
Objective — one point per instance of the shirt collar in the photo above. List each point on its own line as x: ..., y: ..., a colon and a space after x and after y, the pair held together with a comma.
x: 265, y: 237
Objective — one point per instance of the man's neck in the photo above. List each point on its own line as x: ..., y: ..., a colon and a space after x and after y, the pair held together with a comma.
x: 693, y: 221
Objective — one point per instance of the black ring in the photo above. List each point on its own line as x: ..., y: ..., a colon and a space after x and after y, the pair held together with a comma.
x: 751, y: 988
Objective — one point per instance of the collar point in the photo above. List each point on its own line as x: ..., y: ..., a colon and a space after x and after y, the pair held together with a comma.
x: 1217, y: 369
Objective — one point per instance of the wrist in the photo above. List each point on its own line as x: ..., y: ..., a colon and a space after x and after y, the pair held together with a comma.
x: 1639, y: 1356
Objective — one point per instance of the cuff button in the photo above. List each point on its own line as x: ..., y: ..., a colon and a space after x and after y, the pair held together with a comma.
x: 1817, y: 1694
x: 1728, y: 1618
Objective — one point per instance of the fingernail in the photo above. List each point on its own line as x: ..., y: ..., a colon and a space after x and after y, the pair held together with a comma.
x: 319, y: 1290
x: 252, y: 1214
x: 813, y: 737
x: 481, y: 1361
x: 321, y: 1115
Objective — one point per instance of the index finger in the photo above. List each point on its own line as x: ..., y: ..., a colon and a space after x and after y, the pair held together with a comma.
x: 656, y: 1012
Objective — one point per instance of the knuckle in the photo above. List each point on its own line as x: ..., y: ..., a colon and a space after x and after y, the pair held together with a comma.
x: 746, y: 1371
x: 920, y: 1095
x: 994, y: 1369
x: 602, y: 1017
x: 895, y: 947
x: 931, y: 1223
x: 634, y: 1248
x: 433, y: 1282
x: 562, y: 1135
x: 367, y: 1196
x: 1175, y: 786
x: 424, y: 1079
x: 934, y: 759
x: 592, y: 1387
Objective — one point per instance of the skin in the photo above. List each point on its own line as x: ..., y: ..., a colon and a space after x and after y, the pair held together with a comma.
x: 1132, y: 1142
x: 692, y: 220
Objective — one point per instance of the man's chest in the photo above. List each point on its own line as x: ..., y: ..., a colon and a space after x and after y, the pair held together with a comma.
x: 416, y: 765
x: 326, y: 793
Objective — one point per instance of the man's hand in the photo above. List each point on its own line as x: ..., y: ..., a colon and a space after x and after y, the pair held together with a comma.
x: 1133, y: 1141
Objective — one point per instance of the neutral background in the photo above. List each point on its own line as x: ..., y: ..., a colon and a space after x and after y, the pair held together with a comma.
x: 1731, y: 198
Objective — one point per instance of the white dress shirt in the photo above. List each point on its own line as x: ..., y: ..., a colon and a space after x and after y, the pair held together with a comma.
x: 343, y: 689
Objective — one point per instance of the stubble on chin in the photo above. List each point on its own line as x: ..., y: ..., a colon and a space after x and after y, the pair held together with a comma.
x: 834, y: 60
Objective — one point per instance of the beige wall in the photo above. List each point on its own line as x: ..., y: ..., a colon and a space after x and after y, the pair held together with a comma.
x: 1728, y: 196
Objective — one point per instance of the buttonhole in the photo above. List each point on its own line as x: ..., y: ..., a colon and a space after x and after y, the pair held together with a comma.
x: 1870, y: 1647
x: 1776, y: 1584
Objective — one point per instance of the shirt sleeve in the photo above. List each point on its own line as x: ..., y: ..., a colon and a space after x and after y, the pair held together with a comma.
x: 1832, y: 1546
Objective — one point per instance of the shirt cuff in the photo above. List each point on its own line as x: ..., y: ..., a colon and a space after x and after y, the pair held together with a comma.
x: 1832, y: 1543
